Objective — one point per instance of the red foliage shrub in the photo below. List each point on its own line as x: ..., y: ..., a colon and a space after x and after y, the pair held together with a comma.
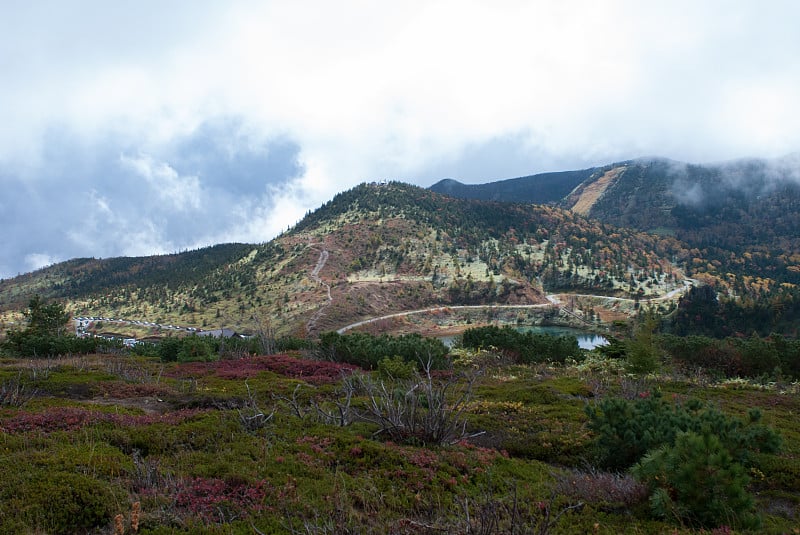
x: 311, y: 371
x: 69, y: 418
x: 216, y: 500
x: 123, y: 390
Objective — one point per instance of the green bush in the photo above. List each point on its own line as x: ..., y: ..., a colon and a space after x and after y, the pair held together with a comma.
x: 59, y: 502
x: 32, y: 344
x: 696, y: 480
x: 642, y: 353
x: 692, y: 456
x: 627, y: 429
x: 367, y: 351
x: 189, y: 349
x: 527, y: 347
x: 293, y: 343
x: 396, y: 368
x: 46, y: 334
x: 168, y: 349
x: 736, y: 357
x: 194, y: 349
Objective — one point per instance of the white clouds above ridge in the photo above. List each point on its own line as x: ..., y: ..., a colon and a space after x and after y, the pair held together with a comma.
x: 307, y: 98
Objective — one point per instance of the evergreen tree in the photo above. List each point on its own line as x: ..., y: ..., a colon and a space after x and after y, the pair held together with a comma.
x: 642, y: 351
x: 46, y: 319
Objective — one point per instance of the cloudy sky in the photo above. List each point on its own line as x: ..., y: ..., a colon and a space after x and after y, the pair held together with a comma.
x: 133, y: 128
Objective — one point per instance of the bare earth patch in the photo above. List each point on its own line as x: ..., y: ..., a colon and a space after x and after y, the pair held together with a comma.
x: 594, y: 191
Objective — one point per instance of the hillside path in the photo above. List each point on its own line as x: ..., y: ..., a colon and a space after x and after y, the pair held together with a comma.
x: 321, y: 261
x: 436, y: 309
x: 553, y: 301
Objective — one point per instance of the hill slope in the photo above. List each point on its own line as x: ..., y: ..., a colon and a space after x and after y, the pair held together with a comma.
x: 369, y: 251
x: 740, y: 217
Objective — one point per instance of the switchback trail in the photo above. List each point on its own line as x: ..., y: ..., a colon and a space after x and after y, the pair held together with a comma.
x: 321, y: 261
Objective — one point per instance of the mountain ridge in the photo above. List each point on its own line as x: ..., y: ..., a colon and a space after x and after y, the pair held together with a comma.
x: 371, y: 250
x: 747, y: 207
x: 541, y: 188
x: 378, y: 248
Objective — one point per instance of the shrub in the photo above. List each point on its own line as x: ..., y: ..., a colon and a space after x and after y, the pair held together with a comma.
x: 309, y: 370
x: 251, y: 416
x: 396, y: 368
x: 615, y: 349
x: 59, y: 502
x: 735, y: 357
x: 627, y: 429
x: 697, y: 480
x: 168, y: 348
x: 32, y: 344
x: 367, y: 351
x: 13, y: 393
x: 194, y: 349
x: 293, y: 343
x: 216, y: 500
x: 641, y: 351
x: 691, y: 456
x: 423, y: 408
x: 69, y: 418
x: 602, y: 487
x: 526, y: 347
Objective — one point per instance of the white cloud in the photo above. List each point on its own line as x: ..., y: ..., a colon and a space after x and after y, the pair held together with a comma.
x: 180, y: 192
x: 407, y: 90
x: 367, y: 87
x: 35, y: 261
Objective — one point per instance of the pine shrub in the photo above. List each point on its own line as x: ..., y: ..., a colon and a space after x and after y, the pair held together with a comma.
x: 697, y: 480
x: 627, y: 429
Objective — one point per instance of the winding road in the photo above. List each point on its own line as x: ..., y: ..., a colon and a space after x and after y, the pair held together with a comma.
x: 437, y: 309
x: 553, y: 301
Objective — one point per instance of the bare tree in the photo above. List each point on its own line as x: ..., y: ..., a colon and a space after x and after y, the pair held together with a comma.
x: 265, y: 333
x: 427, y: 408
x: 251, y: 416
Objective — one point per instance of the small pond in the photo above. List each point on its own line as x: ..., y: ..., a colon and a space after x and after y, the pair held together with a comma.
x: 586, y: 340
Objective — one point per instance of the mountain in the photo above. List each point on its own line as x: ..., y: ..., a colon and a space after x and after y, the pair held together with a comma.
x: 86, y: 276
x: 370, y: 251
x: 740, y: 217
x: 543, y: 188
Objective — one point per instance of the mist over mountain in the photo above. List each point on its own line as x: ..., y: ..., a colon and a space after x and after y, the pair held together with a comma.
x: 627, y: 229
x: 742, y: 214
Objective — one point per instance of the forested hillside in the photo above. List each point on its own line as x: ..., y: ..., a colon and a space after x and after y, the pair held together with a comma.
x: 369, y: 251
x: 82, y: 276
x: 739, y: 221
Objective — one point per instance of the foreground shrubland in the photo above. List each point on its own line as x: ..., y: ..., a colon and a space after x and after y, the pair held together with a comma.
x: 488, y: 444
